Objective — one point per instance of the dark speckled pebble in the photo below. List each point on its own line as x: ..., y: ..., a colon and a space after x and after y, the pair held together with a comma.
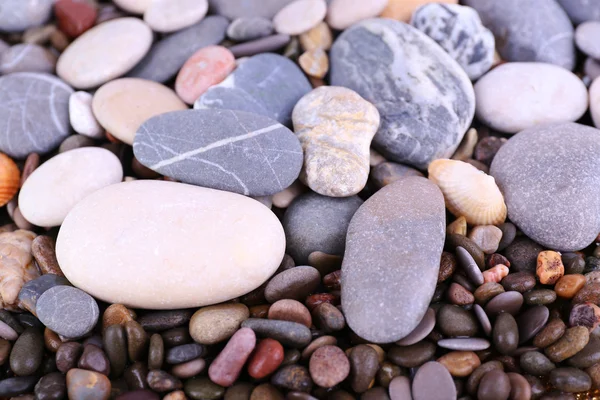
x: 27, y: 352
x: 475, y: 377
x: 203, y: 389
x: 67, y: 356
x: 94, y: 359
x: 159, y: 321
x: 509, y: 302
x: 412, y: 356
x: 509, y: 232
x: 522, y: 254
x: 177, y: 336
x: 454, y: 240
x: 364, y: 364
x: 505, y: 334
x: 494, y: 385
x: 292, y: 377
x: 456, y: 321
x: 570, y: 380
x: 573, y: 263
x: 183, y: 353
x: 550, y: 333
x: 287, y: 333
x: 115, y: 346
x: 18, y: 385
x: 540, y: 297
x: 160, y: 381
x: 156, y: 352
x: 51, y: 387
x: 531, y: 322
x: 588, y: 356
x: 519, y: 281
x: 535, y: 363
x: 135, y: 375
x: 32, y: 290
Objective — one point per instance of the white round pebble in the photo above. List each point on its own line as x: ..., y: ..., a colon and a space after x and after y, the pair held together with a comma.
x: 520, y: 95
x: 81, y: 116
x: 586, y: 38
x: 341, y: 14
x: 173, y: 15
x: 595, y: 102
x: 134, y: 6
x: 105, y: 52
x: 299, y: 16
x: 56, y: 186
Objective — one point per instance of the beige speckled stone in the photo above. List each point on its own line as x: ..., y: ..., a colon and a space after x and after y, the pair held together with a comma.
x: 402, y: 9
x: 314, y: 63
x: 122, y: 105
x: 318, y: 37
x: 187, y: 246
x: 213, y: 324
x: 299, y: 16
x: 342, y: 14
x: 335, y: 126
x: 173, y: 15
x: 105, y: 52
x: 487, y: 237
x: 56, y: 186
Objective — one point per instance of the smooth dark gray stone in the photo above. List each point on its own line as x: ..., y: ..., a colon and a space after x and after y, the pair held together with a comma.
x: 390, y: 268
x: 221, y: 149
x: 289, y: 333
x: 266, y: 84
x: 318, y: 223
x: 532, y: 30
x: 249, y: 28
x: 68, y: 311
x: 183, y: 353
x: 581, y: 10
x: 18, y: 15
x: 233, y: 9
x: 167, y: 56
x: 32, y: 290
x: 458, y: 29
x: 551, y: 185
x: 262, y: 45
x: 425, y: 99
x: 34, y: 108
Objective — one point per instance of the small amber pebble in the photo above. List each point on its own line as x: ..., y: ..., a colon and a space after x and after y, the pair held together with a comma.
x: 460, y: 363
x: 569, y: 285
x: 495, y: 274
x: 549, y: 267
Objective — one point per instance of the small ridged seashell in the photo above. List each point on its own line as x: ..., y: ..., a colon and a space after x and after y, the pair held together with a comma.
x: 468, y: 192
x: 10, y: 178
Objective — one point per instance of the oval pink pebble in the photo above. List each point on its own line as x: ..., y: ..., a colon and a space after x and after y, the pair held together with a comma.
x: 226, y: 368
x: 205, y: 68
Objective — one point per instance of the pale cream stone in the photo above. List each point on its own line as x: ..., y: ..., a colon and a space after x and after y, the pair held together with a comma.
x: 487, y: 237
x: 122, y: 105
x: 81, y: 116
x: 299, y: 16
x: 56, y: 186
x: 595, y: 102
x: 341, y: 14
x: 166, y: 245
x: 134, y: 6
x: 284, y: 198
x: 105, y: 52
x: 467, y: 146
x: 173, y: 15
x: 375, y: 158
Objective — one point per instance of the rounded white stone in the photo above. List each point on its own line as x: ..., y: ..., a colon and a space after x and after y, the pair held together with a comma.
x: 341, y: 14
x: 586, y: 38
x: 105, y: 52
x: 166, y: 245
x: 81, y: 116
x: 54, y: 188
x: 595, y: 102
x: 134, y: 6
x: 173, y: 15
x: 520, y: 95
x: 299, y: 16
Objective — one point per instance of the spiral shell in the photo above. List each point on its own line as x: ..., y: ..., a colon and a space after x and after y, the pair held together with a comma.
x: 9, y: 179
x: 468, y: 192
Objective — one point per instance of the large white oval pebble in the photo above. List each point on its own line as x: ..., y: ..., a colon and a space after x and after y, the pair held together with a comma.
x: 165, y: 245
x: 520, y: 95
x: 105, y: 52
x: 173, y: 15
x: 54, y: 188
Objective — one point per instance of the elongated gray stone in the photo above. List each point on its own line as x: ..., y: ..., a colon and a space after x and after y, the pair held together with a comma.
x: 581, y: 10
x: 221, y: 149
x: 390, y: 268
x: 425, y: 99
x: 18, y: 15
x: 249, y: 28
x: 34, y: 110
x: 266, y: 84
x: 550, y: 182
x: 167, y: 56
x: 32, y: 290
x: 532, y: 30
x: 458, y: 29
x: 233, y: 9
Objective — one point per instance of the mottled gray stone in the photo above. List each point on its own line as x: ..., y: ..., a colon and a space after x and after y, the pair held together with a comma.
x: 233, y: 9
x: 32, y: 290
x: 388, y: 172
x: 581, y: 10
x: 18, y: 15
x: 266, y: 84
x: 262, y: 45
x: 34, y: 109
x: 68, y: 311
x: 424, y: 97
x: 27, y: 57
x: 533, y: 30
x: 459, y: 31
x: 228, y: 150
x: 551, y: 186
x: 586, y: 38
x: 249, y: 28
x: 392, y: 259
x: 167, y: 56
x: 318, y: 223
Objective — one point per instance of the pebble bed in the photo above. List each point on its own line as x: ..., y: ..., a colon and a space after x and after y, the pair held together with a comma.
x: 299, y: 199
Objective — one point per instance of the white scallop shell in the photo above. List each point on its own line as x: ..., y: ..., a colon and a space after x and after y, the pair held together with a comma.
x: 468, y: 192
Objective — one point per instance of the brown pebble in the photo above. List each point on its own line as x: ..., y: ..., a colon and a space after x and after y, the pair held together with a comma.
x: 82, y: 384
x: 569, y: 344
x: 176, y: 395
x: 519, y: 281
x: 364, y: 364
x: 292, y: 377
x: 460, y: 363
x: 332, y: 281
x: 160, y: 381
x: 495, y: 259
x: 51, y: 340
x: 226, y: 368
x: 458, y: 295
x: 67, y: 356
x: 475, y: 377
x: 137, y: 340
x: 412, y: 356
x: 509, y: 302
x: 586, y: 314
x: 189, y: 368
x: 519, y: 387
x: 314, y: 300
x: 260, y: 311
x: 117, y: 314
x: 94, y: 359
x: 590, y: 293
x: 387, y: 372
x: 135, y: 376
x: 42, y: 249
x: 549, y: 267
x: 487, y: 147
x: 156, y: 351
x: 290, y: 310
x: 487, y: 291
x: 328, y: 318
x: 550, y: 333
x: 266, y: 391
x: 495, y: 385
x: 328, y: 366
x: 594, y: 373
x: 5, y: 348
x: 505, y: 333
x: 318, y: 37
x: 447, y: 266
x: 315, y: 344
x: 568, y: 286
x: 295, y: 283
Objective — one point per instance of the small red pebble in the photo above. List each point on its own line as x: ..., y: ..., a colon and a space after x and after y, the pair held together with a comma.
x: 267, y: 357
x: 75, y: 16
x: 226, y: 368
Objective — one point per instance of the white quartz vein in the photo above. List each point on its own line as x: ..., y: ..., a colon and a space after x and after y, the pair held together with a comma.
x: 214, y: 145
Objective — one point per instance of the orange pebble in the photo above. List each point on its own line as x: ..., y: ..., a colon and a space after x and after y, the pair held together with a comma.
x: 495, y: 274
x: 569, y: 285
x: 549, y: 267
x: 206, y: 67
x: 460, y: 363
x: 10, y: 178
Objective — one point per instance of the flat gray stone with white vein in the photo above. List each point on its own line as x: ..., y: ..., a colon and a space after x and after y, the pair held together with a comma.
x: 34, y: 113
x: 227, y: 150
